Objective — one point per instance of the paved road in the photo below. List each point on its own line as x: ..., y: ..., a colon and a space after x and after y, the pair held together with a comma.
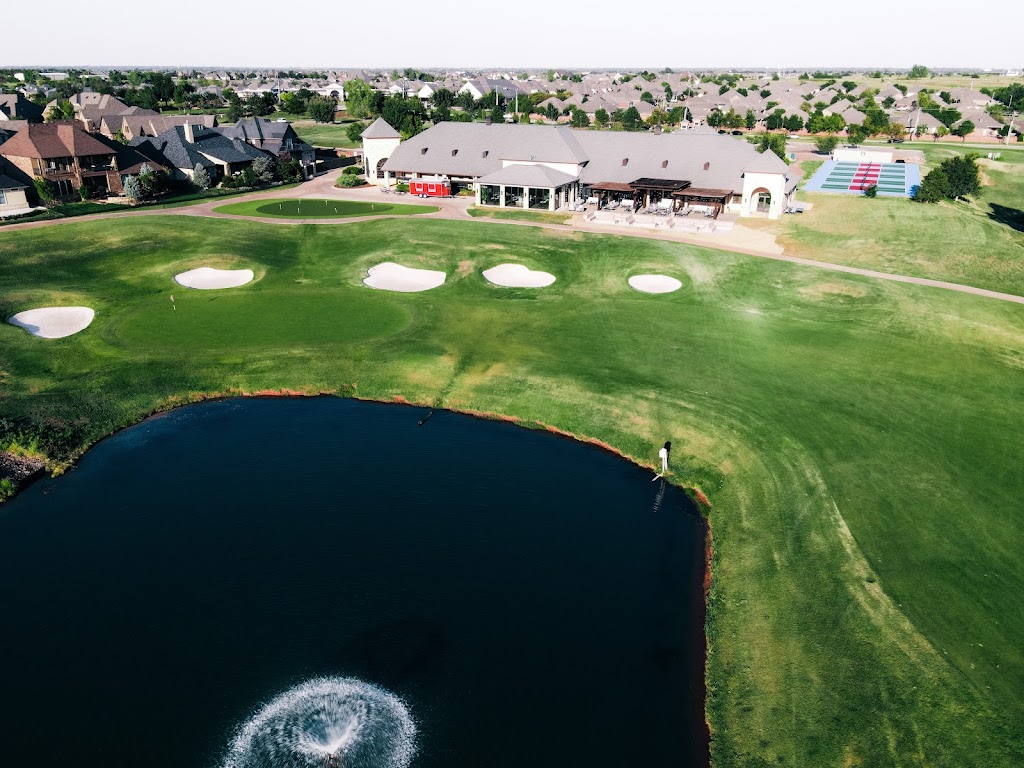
x: 456, y: 208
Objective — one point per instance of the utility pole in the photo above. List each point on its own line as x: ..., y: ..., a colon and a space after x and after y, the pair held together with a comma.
x: 1013, y: 116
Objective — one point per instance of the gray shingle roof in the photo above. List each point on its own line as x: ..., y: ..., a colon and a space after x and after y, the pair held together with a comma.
x: 181, y: 154
x: 6, y: 182
x: 380, y: 129
x: 528, y: 175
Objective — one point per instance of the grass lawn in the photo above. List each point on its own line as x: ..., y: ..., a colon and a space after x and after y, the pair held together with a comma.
x: 325, y: 134
x: 859, y: 440
x: 321, y: 209
x: 979, y: 243
x: 539, y: 217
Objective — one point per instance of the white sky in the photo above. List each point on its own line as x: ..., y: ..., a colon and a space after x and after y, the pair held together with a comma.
x: 681, y: 34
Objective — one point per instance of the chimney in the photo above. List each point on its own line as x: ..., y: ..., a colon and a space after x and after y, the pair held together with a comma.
x: 664, y: 163
x: 625, y: 161
x: 707, y: 166
x: 189, y: 135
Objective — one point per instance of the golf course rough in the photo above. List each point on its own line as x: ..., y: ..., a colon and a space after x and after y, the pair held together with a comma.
x: 859, y: 439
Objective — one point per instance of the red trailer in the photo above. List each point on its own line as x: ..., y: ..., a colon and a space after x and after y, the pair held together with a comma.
x: 435, y: 187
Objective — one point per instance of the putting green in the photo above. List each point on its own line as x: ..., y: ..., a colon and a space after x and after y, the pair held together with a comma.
x: 320, y: 209
x: 268, y: 319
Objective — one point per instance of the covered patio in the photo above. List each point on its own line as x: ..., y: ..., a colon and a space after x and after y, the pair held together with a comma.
x: 709, y: 202
x: 527, y: 185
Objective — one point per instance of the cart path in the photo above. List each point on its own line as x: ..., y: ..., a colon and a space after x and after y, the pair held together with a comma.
x: 456, y: 209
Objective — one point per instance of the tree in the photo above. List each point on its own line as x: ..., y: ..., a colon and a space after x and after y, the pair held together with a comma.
x: 771, y: 142
x: 322, y: 109
x: 631, y: 120
x: 442, y: 97
x: 61, y: 110
x: 355, y: 132
x: 579, y: 118
x: 825, y: 144
x: 44, y: 189
x: 658, y: 117
x: 963, y: 175
x: 750, y: 120
x: 895, y: 131
x: 793, y: 123
x: 601, y: 118
x: 933, y: 188
x: 201, y: 177
x: 940, y: 132
x: 918, y: 71
x: 149, y: 180
x: 358, y: 98
x: 263, y: 169
x: 857, y: 134
x: 849, y: 85
x: 133, y: 189
x: 646, y: 96
x: 775, y: 120
x: 964, y: 129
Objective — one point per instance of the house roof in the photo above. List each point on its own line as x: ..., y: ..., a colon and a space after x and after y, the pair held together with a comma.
x: 53, y: 140
x: 475, y: 149
x: 528, y: 175
x: 380, y: 129
x: 172, y: 149
x: 6, y: 182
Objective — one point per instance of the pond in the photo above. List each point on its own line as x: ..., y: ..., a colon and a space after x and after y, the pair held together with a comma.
x: 511, y: 597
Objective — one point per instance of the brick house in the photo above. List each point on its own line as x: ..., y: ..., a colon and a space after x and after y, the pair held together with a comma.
x: 66, y: 156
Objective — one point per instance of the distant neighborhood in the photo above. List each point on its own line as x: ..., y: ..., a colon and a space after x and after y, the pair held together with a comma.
x: 92, y: 134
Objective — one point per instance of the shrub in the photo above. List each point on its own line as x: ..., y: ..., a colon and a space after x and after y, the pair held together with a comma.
x: 133, y: 188
x: 871, y: 191
x: 401, y: 187
x: 348, y: 180
x: 352, y: 170
x: 7, y: 488
x: 83, y: 193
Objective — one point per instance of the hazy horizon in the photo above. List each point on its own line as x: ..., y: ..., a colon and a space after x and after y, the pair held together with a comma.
x: 533, y: 35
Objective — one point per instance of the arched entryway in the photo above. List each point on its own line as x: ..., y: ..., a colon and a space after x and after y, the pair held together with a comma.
x: 380, y: 168
x: 760, y: 200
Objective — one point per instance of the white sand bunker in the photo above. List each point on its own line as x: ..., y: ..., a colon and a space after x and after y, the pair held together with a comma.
x: 394, y: 277
x: 53, y: 322
x: 655, y: 283
x: 518, y: 276
x: 208, y: 278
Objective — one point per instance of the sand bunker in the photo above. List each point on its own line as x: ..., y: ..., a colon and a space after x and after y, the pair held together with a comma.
x: 394, y: 277
x: 655, y: 283
x: 518, y: 276
x: 208, y: 278
x: 53, y: 322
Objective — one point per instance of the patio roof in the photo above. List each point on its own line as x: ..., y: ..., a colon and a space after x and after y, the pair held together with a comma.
x: 700, y: 192
x: 612, y: 186
x: 666, y: 185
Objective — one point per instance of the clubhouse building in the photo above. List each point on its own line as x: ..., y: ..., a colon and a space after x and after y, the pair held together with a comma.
x: 553, y: 167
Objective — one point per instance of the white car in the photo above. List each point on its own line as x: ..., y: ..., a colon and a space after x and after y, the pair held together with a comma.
x: 281, y: 120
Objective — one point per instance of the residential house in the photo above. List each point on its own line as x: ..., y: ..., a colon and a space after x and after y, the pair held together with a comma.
x: 279, y: 139
x: 66, y: 156
x: 14, y: 106
x: 183, y: 147
x: 481, y: 86
x: 139, y: 126
x: 13, y: 197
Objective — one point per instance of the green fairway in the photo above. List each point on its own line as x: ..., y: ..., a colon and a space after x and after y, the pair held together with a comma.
x: 324, y: 134
x: 320, y: 209
x: 859, y: 440
x: 267, y: 320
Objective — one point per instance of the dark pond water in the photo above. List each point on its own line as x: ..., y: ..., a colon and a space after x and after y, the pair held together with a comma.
x: 532, y: 601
